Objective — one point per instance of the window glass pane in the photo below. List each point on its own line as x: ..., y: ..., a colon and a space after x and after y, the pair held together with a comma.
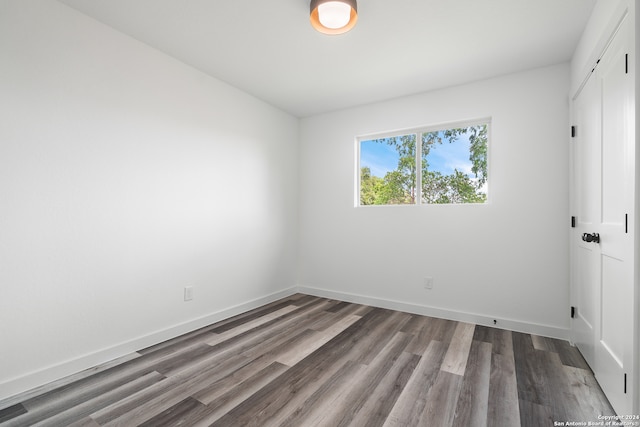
x: 388, y: 170
x: 454, y: 165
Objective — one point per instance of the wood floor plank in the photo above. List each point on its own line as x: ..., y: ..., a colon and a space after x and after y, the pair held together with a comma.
x: 311, y: 361
x: 325, y: 320
x: 84, y: 409
x: 182, y: 385
x: 381, y: 401
x: 502, y: 342
x: 591, y: 401
x: 440, y: 330
x: 299, y: 382
x: 12, y: 412
x: 316, y: 341
x: 444, y: 330
x: 543, y: 343
x: 411, y: 403
x: 484, y: 334
x: 383, y: 362
x: 75, y: 394
x: 281, y: 343
x: 251, y: 373
x: 455, y: 361
x: 330, y: 395
x: 362, y: 310
x: 265, y: 332
x: 473, y: 403
x: 423, y: 330
x: 271, y: 334
x: 117, y: 409
x: 302, y: 300
x: 503, y: 383
x: 84, y: 422
x: 339, y: 306
x: 85, y: 376
x: 380, y: 337
x: 332, y: 317
x: 101, y: 382
x: 267, y: 310
x: 534, y: 415
x: 245, y: 326
x: 267, y: 335
x: 222, y: 398
x: 570, y: 355
x: 416, y: 324
x: 179, y: 360
x: 565, y: 402
x: 442, y: 400
x: 390, y: 365
x: 532, y: 386
x: 256, y: 313
x: 173, y: 346
x: 179, y: 414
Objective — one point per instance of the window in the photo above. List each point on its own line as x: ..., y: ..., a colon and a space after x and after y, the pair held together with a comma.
x: 449, y: 165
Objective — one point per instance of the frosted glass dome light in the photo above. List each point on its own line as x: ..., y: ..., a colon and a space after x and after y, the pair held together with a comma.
x: 333, y: 16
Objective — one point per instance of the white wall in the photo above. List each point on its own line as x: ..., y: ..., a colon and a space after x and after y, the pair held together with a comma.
x: 506, y: 260
x: 125, y: 176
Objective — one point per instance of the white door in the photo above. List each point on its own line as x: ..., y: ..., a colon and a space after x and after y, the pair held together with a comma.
x: 602, y: 242
x: 586, y: 191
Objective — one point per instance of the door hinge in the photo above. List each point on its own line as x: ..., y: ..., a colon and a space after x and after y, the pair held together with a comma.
x: 626, y: 223
x: 573, y: 312
x: 573, y: 222
x: 626, y: 63
x: 573, y: 131
x: 625, y: 383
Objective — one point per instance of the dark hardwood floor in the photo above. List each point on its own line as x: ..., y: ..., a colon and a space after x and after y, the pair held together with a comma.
x: 307, y: 361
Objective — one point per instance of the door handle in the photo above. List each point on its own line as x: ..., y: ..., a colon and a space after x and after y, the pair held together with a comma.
x: 593, y: 237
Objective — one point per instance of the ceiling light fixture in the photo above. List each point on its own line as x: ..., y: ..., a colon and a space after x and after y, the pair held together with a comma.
x: 333, y: 16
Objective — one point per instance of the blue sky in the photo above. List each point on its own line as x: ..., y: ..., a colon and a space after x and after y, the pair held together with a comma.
x: 382, y: 158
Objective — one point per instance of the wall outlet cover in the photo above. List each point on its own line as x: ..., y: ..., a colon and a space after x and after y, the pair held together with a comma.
x: 188, y: 293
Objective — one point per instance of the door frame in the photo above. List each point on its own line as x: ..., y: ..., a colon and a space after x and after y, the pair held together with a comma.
x: 626, y: 10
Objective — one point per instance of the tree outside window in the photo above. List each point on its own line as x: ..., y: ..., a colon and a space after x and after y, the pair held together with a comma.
x: 452, y: 164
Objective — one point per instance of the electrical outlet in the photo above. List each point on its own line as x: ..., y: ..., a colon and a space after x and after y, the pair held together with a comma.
x: 428, y: 282
x: 188, y: 293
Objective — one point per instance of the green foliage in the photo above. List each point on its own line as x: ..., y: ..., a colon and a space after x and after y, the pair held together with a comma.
x: 455, y: 188
x: 478, y: 153
x: 399, y: 186
x: 373, y: 191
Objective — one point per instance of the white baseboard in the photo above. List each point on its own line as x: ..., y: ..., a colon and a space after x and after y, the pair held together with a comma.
x: 33, y: 384
x: 478, y: 319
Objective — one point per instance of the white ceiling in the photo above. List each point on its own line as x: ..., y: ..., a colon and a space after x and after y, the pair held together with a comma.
x: 399, y: 47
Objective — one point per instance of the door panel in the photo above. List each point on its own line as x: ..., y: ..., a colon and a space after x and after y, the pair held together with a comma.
x: 613, y: 154
x: 584, y: 323
x: 612, y: 335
